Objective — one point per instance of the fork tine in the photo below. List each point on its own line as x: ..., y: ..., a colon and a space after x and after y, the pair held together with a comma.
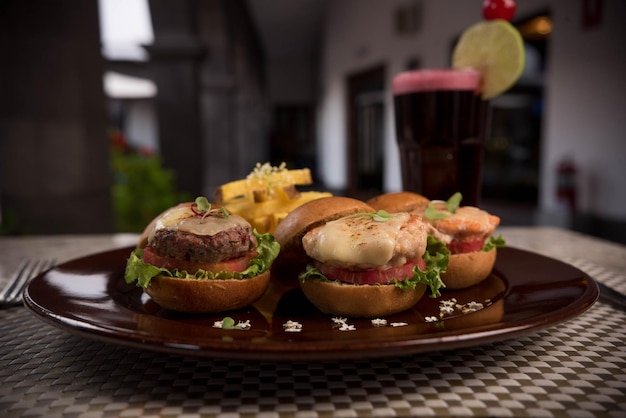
x: 50, y: 262
x: 27, y: 273
x: 13, y: 283
x: 31, y: 269
x: 44, y: 265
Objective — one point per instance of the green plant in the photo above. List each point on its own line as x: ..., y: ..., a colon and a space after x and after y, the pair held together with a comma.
x: 142, y: 188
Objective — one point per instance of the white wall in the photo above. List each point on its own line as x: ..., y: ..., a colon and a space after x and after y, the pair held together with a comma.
x: 585, y: 91
x: 586, y: 108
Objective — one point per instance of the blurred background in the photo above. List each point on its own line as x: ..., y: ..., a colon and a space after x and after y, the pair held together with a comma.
x: 112, y: 110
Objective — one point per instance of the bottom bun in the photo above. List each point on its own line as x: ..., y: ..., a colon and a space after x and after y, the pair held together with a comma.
x: 362, y: 301
x: 467, y: 269
x: 207, y: 296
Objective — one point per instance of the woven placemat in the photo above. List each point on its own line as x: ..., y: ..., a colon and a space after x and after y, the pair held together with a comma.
x: 577, y: 368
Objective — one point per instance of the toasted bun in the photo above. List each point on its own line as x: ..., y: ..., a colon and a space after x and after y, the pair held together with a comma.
x: 399, y: 202
x: 301, y: 220
x: 143, y: 238
x: 468, y: 269
x: 207, y: 296
x: 362, y: 301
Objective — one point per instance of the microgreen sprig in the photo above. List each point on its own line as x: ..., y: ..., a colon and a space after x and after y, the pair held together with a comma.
x: 228, y: 323
x: 202, y: 207
x: 452, y: 204
x: 433, y: 214
x: 379, y: 216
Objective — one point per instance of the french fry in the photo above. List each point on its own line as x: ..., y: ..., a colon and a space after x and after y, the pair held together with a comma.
x: 264, y: 179
x: 267, y: 195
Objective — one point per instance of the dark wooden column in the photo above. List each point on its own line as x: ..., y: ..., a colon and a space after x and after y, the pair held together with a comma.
x: 54, y: 156
x: 234, y: 106
x: 207, y: 63
x: 174, y: 61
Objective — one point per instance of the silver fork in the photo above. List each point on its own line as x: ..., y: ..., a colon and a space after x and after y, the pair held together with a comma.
x: 12, y: 293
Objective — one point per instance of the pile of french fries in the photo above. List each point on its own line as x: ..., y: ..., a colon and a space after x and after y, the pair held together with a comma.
x: 267, y: 195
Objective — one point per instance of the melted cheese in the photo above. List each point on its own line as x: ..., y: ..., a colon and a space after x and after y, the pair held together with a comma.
x: 182, y: 218
x: 174, y: 216
x: 358, y: 241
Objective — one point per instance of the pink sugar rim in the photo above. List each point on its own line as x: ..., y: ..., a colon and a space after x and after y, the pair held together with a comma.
x: 436, y: 79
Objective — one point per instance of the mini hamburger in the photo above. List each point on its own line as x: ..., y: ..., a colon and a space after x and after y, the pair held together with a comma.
x: 197, y: 259
x: 466, y: 231
x: 364, y: 264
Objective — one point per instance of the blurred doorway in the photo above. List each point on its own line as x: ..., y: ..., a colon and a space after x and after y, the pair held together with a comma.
x: 365, y: 132
x: 293, y: 136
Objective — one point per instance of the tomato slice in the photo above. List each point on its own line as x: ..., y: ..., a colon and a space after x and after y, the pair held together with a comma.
x: 235, y: 264
x: 460, y: 247
x: 372, y: 276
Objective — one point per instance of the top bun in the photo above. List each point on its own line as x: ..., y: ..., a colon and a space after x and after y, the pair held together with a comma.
x: 399, y: 202
x: 145, y: 235
x: 304, y: 218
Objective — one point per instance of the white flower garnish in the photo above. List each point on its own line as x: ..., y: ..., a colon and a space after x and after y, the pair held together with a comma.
x: 472, y: 307
x: 347, y: 327
x: 448, y: 307
x: 379, y: 322
x: 292, y: 326
x: 343, y: 324
x: 244, y: 325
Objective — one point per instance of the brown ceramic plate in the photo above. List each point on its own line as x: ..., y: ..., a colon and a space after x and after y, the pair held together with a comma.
x: 526, y: 292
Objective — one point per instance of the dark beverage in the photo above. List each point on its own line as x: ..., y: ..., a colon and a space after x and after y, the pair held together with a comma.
x: 440, y: 127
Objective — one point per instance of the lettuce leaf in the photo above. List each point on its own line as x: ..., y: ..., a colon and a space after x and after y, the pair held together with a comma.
x: 492, y: 243
x: 142, y: 273
x: 436, y: 258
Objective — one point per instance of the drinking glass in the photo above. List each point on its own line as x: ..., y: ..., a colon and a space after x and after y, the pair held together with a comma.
x: 441, y: 127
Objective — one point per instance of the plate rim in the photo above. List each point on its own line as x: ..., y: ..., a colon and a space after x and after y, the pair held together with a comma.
x: 276, y: 351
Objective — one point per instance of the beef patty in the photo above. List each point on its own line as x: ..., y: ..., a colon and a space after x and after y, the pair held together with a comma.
x: 224, y: 245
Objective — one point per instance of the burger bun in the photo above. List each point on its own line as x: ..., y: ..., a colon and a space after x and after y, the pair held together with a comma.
x: 207, y: 296
x: 399, y: 202
x: 360, y: 301
x: 468, y: 269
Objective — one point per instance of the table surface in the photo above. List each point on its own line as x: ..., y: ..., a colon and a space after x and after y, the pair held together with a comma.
x: 577, y: 368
